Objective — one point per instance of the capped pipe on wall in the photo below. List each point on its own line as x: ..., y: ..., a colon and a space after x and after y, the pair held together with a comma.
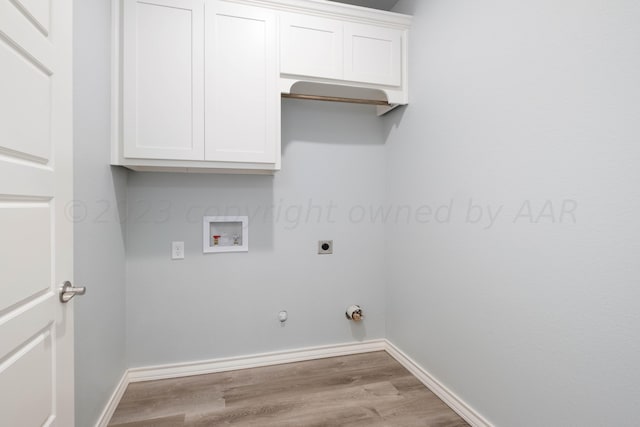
x: 354, y: 312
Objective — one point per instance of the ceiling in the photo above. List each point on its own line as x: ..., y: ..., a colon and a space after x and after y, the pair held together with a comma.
x: 375, y: 4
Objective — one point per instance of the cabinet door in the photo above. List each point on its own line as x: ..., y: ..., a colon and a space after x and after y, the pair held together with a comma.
x: 163, y: 79
x: 311, y: 46
x: 242, y: 101
x: 373, y: 54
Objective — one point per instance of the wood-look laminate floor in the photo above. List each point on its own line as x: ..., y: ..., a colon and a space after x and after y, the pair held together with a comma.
x: 369, y: 389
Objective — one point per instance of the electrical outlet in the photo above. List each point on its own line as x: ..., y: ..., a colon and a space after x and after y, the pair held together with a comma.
x: 177, y: 250
x: 325, y: 247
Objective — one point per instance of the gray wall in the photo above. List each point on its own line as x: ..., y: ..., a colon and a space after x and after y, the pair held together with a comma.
x: 216, y: 305
x: 533, y: 321
x: 98, y: 235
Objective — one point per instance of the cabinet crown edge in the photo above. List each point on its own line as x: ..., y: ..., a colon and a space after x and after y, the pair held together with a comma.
x: 330, y: 9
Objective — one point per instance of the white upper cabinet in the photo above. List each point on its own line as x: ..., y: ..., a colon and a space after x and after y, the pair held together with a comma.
x: 242, y: 98
x: 373, y: 54
x: 311, y: 46
x: 163, y: 109
x: 197, y: 83
x: 362, y: 50
x: 340, y: 50
x: 199, y: 87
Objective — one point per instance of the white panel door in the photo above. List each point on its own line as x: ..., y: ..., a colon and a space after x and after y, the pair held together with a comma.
x: 163, y: 66
x: 373, y: 54
x: 36, y: 330
x: 241, y: 73
x: 311, y: 46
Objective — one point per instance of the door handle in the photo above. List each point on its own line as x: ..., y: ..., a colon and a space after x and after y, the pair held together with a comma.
x: 68, y: 291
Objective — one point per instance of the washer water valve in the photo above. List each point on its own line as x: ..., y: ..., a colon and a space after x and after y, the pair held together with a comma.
x: 354, y: 312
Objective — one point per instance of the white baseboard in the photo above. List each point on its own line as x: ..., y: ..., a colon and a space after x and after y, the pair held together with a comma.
x: 253, y: 361
x: 447, y: 396
x: 290, y: 356
x: 113, y: 402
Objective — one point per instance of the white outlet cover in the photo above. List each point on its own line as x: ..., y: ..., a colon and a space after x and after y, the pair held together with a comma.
x: 177, y: 250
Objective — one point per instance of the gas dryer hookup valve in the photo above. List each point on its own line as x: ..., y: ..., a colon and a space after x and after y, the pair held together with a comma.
x: 354, y: 312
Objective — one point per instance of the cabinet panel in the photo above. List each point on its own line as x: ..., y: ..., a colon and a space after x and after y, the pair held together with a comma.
x: 242, y: 100
x: 163, y: 96
x: 373, y: 54
x: 311, y: 46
